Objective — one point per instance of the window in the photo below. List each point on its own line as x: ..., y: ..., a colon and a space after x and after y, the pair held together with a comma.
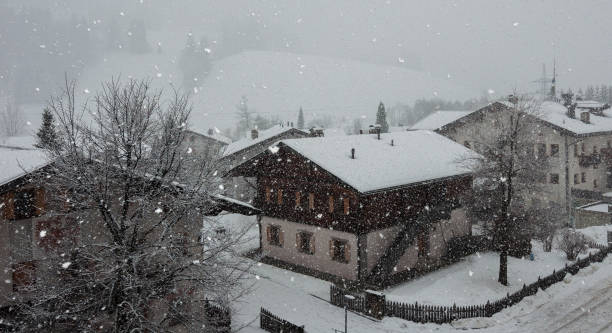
x: 554, y: 178
x: 268, y: 194
x: 554, y: 150
x: 422, y: 244
x: 594, y: 149
x: 594, y: 183
x: 298, y: 199
x: 24, y: 204
x: 331, y: 204
x: 24, y: 275
x: 347, y: 206
x: 311, y: 201
x: 575, y: 151
x: 275, y: 235
x: 541, y: 150
x: 583, y: 177
x: 576, y: 180
x: 305, y: 242
x: 279, y: 197
x: 340, y: 250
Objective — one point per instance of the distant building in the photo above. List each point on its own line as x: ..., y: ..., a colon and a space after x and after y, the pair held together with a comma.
x: 210, y: 144
x: 242, y: 150
x: 578, y: 145
x: 360, y: 208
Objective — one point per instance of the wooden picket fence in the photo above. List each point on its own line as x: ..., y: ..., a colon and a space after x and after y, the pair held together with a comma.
x: 422, y: 313
x: 275, y: 324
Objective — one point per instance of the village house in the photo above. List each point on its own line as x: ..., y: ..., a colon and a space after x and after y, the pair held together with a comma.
x: 208, y: 145
x: 364, y: 208
x: 578, y: 145
x: 438, y: 119
x: 244, y: 149
x: 36, y: 220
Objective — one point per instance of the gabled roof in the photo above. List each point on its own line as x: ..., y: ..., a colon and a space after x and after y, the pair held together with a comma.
x: 16, y: 163
x: 554, y: 115
x: 262, y: 136
x: 215, y: 135
x: 438, y: 119
x: 415, y: 157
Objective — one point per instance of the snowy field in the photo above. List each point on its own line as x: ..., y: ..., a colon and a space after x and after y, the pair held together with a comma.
x: 473, y: 280
x: 598, y: 233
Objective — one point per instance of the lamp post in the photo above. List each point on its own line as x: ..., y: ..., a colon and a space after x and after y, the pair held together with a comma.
x: 347, y: 298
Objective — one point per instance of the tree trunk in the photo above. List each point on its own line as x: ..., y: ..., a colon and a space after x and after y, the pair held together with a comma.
x: 503, y: 266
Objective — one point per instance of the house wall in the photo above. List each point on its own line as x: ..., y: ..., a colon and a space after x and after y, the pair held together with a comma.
x: 441, y: 232
x: 321, y: 260
x: 483, y: 126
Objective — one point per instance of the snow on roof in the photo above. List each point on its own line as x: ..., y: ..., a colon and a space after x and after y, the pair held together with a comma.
x: 262, y: 136
x: 589, y: 105
x: 331, y: 132
x: 24, y: 142
x: 393, y: 129
x: 18, y: 162
x: 215, y: 134
x: 556, y: 114
x: 596, y: 207
x: 439, y: 119
x: 415, y: 156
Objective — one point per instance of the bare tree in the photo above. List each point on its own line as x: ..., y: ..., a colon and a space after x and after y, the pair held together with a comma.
x: 544, y: 223
x: 572, y: 243
x: 506, y: 173
x: 11, y: 119
x: 143, y: 260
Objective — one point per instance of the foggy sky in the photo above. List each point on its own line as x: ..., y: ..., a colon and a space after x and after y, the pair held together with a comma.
x: 485, y: 44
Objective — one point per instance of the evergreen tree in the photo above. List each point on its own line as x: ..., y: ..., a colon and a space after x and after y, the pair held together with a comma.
x: 47, y: 136
x: 381, y: 118
x: 300, y: 122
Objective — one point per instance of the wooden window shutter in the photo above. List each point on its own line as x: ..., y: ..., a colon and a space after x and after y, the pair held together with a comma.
x: 298, y: 240
x: 347, y: 252
x: 347, y: 205
x: 311, y: 200
x: 281, y: 239
x: 298, y: 198
x: 312, y: 244
x: 331, y: 248
x: 40, y: 201
x: 9, y: 206
x: 268, y: 234
x: 331, y: 204
x: 279, y: 196
x: 268, y: 194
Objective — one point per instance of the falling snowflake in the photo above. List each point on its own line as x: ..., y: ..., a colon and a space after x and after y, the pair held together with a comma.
x: 43, y: 233
x: 86, y: 91
x: 471, y: 273
x: 158, y: 211
x: 516, y: 24
x: 189, y: 150
x: 66, y: 264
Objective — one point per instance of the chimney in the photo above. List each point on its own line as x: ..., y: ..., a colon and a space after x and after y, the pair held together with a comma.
x: 360, y: 131
x: 353, y: 153
x: 254, y: 134
x: 211, y: 131
x: 585, y: 117
x: 391, y: 142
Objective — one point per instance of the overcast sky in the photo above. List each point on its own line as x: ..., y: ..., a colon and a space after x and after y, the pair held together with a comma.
x: 484, y: 44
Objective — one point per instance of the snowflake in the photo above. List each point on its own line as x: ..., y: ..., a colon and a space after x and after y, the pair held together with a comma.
x: 66, y: 264
x: 158, y: 211
x: 43, y: 233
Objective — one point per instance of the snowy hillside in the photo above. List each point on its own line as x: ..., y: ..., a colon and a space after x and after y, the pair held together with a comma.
x: 279, y: 83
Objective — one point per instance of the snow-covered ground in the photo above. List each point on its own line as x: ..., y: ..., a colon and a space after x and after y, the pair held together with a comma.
x: 582, y: 303
x: 473, y: 280
x: 598, y: 233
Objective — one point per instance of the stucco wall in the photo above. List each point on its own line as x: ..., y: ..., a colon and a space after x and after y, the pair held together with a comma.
x: 321, y: 259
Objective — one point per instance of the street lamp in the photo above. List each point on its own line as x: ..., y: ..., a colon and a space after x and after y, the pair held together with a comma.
x: 347, y: 298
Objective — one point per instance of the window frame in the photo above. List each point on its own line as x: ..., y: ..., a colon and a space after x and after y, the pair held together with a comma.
x: 302, y: 235
x: 336, y: 245
x: 554, y: 178
x: 275, y: 230
x: 554, y: 150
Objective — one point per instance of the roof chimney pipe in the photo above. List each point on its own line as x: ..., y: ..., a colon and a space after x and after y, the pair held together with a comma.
x: 353, y: 153
x: 254, y: 134
x: 392, y: 143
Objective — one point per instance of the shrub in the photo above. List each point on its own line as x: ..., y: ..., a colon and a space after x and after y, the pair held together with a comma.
x: 572, y: 243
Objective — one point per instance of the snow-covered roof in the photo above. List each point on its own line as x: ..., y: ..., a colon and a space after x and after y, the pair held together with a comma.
x: 215, y: 135
x: 556, y: 114
x: 262, y: 136
x: 589, y: 105
x: 331, y: 132
x: 596, y: 207
x: 439, y: 119
x: 393, y: 129
x: 416, y: 156
x: 18, y: 162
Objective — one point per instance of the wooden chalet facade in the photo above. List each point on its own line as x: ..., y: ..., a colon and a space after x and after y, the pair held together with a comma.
x: 313, y: 218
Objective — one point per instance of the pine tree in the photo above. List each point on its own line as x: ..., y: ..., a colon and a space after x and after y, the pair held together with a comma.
x: 300, y: 122
x: 47, y: 136
x: 381, y: 118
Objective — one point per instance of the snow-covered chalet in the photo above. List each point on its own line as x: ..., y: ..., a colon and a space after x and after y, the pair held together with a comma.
x: 365, y: 208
